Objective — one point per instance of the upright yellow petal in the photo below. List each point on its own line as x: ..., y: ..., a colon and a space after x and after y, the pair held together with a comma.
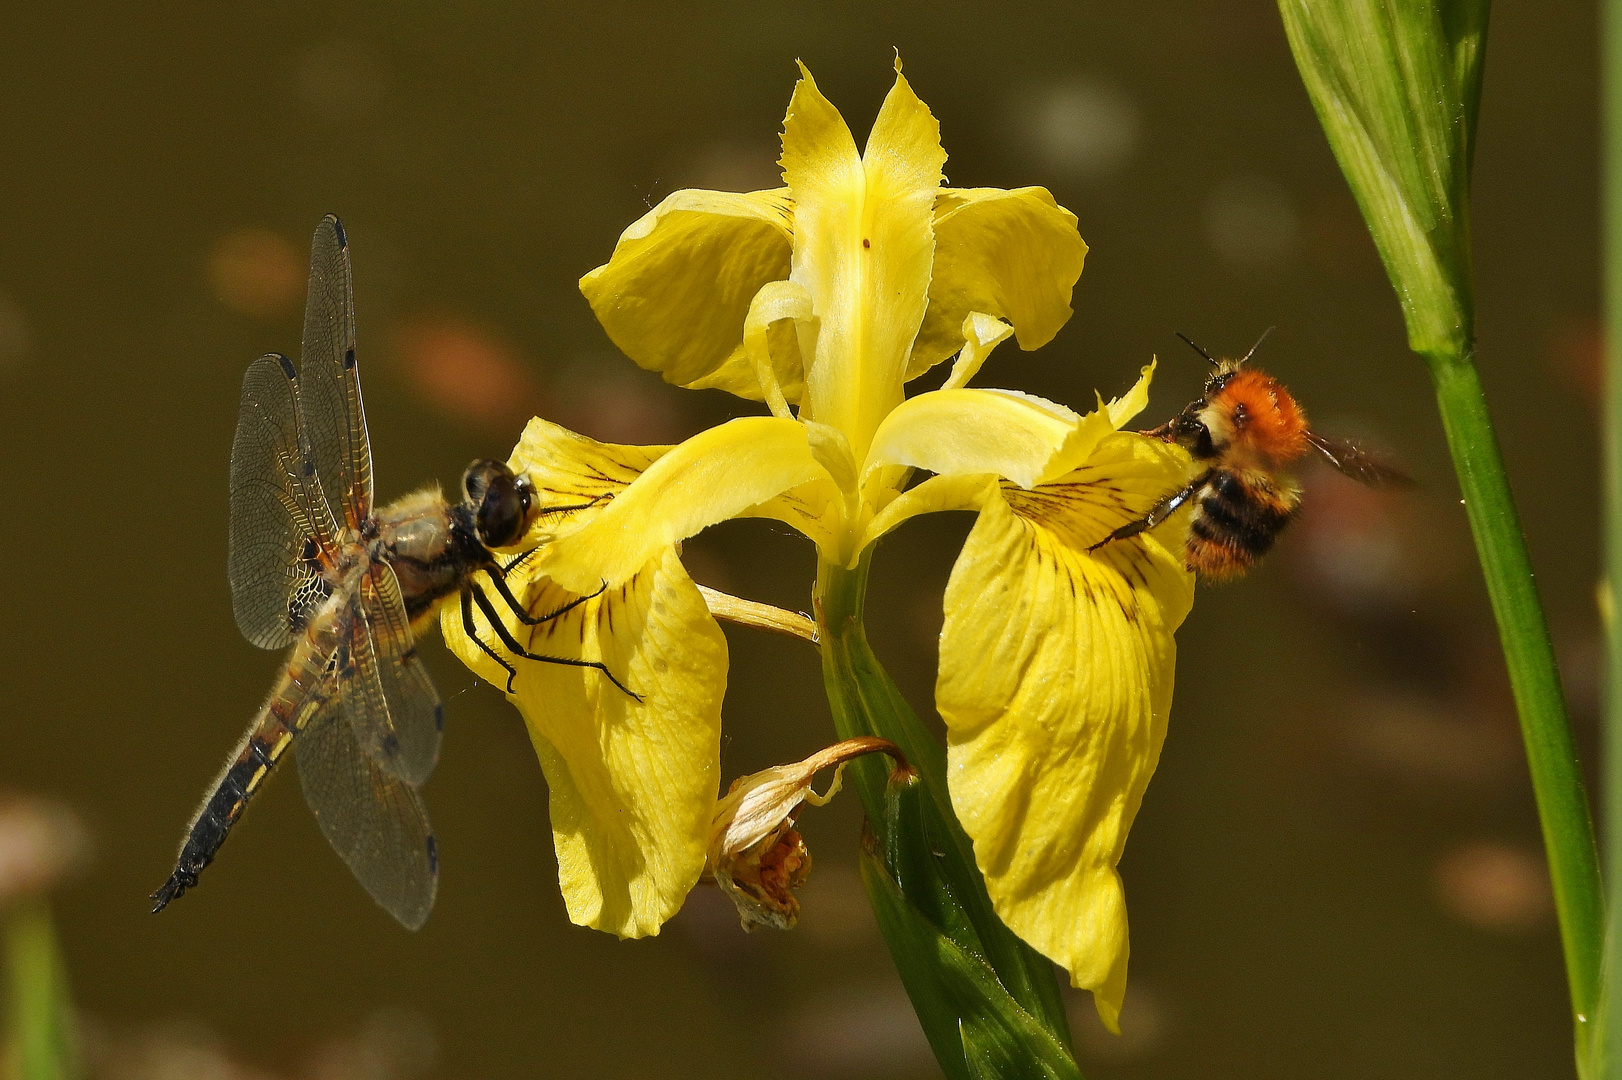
x: 1013, y: 254
x: 863, y: 246
x: 1055, y: 682
x: 715, y: 475
x: 632, y: 783
x: 674, y: 295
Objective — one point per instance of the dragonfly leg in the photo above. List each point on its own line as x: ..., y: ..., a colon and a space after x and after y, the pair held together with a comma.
x: 472, y: 632
x: 500, y: 582
x: 518, y: 650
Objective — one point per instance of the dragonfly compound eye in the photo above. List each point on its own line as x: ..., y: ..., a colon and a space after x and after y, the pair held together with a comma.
x: 500, y: 501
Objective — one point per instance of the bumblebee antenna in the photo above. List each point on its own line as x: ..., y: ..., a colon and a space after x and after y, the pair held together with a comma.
x: 1196, y: 348
x: 1258, y: 344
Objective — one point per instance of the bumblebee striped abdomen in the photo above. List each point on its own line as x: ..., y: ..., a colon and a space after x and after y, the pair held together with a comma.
x: 1236, y: 517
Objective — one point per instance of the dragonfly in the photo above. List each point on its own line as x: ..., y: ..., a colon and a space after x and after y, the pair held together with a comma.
x: 315, y: 569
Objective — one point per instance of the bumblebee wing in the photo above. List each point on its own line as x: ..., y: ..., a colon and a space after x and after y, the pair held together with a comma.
x: 1358, y: 464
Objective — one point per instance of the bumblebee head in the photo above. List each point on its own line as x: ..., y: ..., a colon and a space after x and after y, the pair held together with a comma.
x: 500, y: 501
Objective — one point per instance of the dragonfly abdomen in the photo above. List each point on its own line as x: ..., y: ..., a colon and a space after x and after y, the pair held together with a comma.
x: 297, y: 696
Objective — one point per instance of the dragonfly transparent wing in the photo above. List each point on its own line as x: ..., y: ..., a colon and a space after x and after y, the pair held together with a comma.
x: 393, y: 708
x: 376, y: 822
x: 281, y: 529
x: 329, y: 381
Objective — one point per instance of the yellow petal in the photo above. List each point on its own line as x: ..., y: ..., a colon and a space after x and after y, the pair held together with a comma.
x: 981, y: 334
x: 570, y: 470
x: 974, y: 431
x: 674, y: 295
x: 960, y: 492
x: 1055, y: 682
x: 1012, y: 254
x: 863, y: 247
x: 715, y: 475
x: 632, y: 783
x: 816, y: 509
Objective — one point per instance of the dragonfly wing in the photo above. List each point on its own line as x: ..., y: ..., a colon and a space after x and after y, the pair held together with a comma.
x: 281, y: 528
x: 393, y: 708
x: 376, y: 822
x: 329, y: 381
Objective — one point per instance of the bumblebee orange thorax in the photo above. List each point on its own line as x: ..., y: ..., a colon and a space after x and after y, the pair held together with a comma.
x: 1252, y: 416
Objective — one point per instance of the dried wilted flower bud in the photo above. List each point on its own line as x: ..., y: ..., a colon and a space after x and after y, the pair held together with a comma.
x: 41, y: 842
x: 755, y: 854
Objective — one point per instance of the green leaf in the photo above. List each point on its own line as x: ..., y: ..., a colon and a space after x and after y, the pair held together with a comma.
x: 974, y: 1026
x: 1397, y: 84
x: 39, y: 1019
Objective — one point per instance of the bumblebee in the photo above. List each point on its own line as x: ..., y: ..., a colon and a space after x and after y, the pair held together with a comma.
x: 1244, y: 433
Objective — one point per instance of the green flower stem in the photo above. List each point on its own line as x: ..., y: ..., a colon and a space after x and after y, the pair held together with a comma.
x: 38, y: 1016
x: 866, y: 702
x: 1568, y: 831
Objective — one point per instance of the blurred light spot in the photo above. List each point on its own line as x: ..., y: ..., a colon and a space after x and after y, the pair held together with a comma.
x: 1084, y: 127
x: 1252, y: 222
x: 859, y: 1032
x: 391, y: 1045
x: 725, y: 166
x: 340, y: 81
x: 41, y: 843
x: 168, y: 1052
x: 1143, y: 1024
x: 612, y: 401
x: 255, y: 272
x: 1577, y: 353
x: 1495, y: 886
x: 466, y: 372
x: 15, y: 339
x: 1407, y: 735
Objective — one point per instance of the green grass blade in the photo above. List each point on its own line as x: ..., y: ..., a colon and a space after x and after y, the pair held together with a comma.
x: 1397, y: 87
x: 39, y: 1019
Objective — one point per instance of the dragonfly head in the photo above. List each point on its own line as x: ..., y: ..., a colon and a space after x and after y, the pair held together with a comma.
x: 500, y: 501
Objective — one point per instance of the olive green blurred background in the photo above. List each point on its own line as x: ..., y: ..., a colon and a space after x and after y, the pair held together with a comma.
x: 1336, y: 871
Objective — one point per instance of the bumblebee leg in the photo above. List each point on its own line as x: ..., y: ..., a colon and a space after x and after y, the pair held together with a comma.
x: 472, y: 632
x: 516, y: 649
x: 1162, y: 510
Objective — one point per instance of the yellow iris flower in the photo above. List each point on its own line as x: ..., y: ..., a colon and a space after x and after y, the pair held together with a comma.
x: 822, y: 299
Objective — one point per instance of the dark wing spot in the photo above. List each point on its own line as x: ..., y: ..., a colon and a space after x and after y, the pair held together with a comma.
x: 391, y: 744
x: 349, y: 359
x: 433, y: 855
x: 287, y: 367
x: 439, y: 717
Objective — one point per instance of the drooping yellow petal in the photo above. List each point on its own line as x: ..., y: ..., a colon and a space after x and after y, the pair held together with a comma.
x: 715, y: 475
x: 863, y: 246
x: 1055, y: 683
x: 675, y: 292
x: 1012, y: 254
x: 632, y: 783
